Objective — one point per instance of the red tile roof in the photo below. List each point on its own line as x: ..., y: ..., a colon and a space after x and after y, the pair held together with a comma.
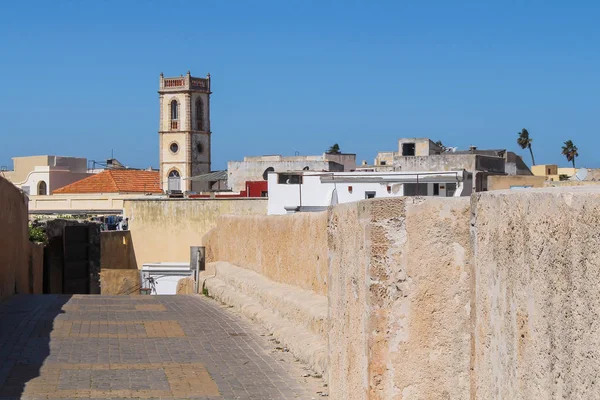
x: 116, y: 181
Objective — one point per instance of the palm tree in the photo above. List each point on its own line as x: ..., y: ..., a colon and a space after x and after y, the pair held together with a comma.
x: 525, y: 142
x: 569, y: 150
x: 335, y: 149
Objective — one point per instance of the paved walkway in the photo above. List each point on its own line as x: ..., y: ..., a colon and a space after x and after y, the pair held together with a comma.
x: 130, y: 347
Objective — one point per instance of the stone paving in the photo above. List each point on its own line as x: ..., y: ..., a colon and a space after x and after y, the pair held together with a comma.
x: 139, y: 347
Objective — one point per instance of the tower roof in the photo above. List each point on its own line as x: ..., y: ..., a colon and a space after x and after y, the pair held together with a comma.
x: 185, y: 82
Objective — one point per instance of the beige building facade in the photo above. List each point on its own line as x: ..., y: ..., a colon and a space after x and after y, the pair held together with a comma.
x: 184, y: 131
x: 41, y: 175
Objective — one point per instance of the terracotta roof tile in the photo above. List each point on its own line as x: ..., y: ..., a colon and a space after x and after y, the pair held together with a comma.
x: 116, y: 181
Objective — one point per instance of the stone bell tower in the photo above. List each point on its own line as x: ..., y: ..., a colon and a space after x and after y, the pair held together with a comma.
x: 184, y: 131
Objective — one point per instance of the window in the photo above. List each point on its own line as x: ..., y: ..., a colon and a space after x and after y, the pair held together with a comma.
x: 199, y: 115
x: 408, y: 149
x: 414, y: 189
x: 264, y: 193
x: 174, y: 180
x: 369, y: 195
x: 382, y: 163
x: 436, y: 189
x: 42, y: 189
x: 549, y: 173
x: 289, y: 179
x: 174, y: 110
x: 174, y: 114
x: 199, y: 147
x: 174, y: 147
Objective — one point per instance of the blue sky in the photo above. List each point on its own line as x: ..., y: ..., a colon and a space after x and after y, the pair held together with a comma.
x: 79, y: 78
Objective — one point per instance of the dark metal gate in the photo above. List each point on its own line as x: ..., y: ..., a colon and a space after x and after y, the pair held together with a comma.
x: 76, y: 275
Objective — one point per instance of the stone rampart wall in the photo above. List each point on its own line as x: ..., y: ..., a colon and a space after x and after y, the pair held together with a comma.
x: 117, y: 250
x: 536, y: 299
x: 445, y: 298
x: 20, y: 260
x: 164, y: 229
x: 288, y: 249
x: 399, y: 299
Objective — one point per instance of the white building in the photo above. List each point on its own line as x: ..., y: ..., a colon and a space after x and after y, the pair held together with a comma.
x: 254, y: 169
x: 291, y: 192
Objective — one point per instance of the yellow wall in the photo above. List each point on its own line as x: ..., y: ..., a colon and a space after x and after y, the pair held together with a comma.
x: 117, y: 250
x: 73, y: 202
x: 567, y: 171
x: 288, y: 249
x: 544, y: 169
x: 164, y: 229
x: 20, y: 260
x: 120, y: 282
x: 501, y: 182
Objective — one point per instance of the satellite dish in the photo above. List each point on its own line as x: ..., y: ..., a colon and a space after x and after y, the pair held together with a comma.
x: 581, y: 174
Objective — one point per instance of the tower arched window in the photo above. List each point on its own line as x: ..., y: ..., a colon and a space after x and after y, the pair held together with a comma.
x: 174, y: 114
x: 174, y: 182
x: 42, y: 189
x: 199, y: 115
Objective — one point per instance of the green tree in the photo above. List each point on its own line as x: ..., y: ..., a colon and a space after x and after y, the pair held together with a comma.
x: 569, y: 150
x: 525, y: 142
x: 335, y: 149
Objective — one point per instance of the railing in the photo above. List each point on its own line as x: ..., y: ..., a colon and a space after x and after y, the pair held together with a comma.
x: 174, y: 125
x: 174, y: 82
x: 199, y: 83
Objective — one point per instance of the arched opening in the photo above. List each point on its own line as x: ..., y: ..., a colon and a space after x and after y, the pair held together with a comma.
x: 174, y: 180
x: 174, y: 114
x: 266, y: 173
x: 199, y: 115
x: 42, y: 189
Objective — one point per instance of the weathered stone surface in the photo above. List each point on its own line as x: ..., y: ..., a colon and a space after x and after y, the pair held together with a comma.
x: 399, y: 299
x: 289, y: 249
x: 20, y: 260
x: 186, y: 286
x: 120, y: 282
x: 537, y: 331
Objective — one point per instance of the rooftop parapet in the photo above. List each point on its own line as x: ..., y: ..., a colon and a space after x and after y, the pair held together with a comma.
x: 183, y: 83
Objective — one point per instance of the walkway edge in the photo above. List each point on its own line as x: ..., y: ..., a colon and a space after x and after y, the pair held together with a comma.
x: 308, y: 347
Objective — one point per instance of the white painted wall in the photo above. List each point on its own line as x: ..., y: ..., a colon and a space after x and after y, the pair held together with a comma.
x: 322, y: 190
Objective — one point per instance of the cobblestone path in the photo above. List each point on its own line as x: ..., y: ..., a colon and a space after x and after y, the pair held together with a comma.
x: 130, y: 347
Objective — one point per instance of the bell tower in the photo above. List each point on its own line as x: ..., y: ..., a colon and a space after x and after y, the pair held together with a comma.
x: 184, y: 131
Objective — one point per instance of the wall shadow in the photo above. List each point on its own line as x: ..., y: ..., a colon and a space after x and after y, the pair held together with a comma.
x: 26, y: 322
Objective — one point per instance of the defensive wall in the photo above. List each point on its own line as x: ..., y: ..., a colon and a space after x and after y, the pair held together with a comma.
x: 488, y: 298
x: 164, y: 229
x: 119, y: 274
x: 21, y: 262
